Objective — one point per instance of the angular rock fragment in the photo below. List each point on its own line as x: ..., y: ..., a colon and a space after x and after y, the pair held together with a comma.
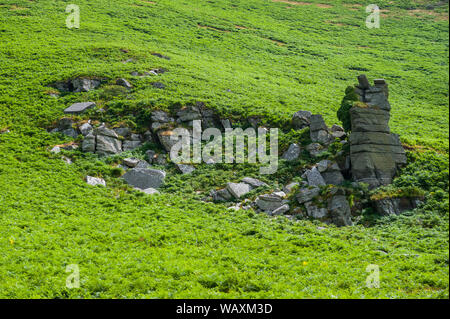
x: 339, y: 211
x: 307, y: 194
x: 314, y: 177
x: 238, y: 189
x: 253, y: 182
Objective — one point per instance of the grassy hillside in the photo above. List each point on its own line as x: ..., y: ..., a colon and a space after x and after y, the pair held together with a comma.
x: 241, y: 57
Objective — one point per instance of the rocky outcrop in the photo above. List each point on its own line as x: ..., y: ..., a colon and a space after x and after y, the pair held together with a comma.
x: 375, y: 153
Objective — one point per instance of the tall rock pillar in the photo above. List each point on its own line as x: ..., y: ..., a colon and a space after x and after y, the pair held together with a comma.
x: 375, y: 153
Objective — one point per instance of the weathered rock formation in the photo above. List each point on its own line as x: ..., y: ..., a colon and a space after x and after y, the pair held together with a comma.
x: 375, y: 152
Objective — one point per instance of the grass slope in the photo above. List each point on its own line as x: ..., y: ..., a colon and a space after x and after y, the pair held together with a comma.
x: 253, y: 57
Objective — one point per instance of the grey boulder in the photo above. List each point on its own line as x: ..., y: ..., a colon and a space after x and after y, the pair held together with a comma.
x: 292, y: 154
x: 301, y: 119
x: 238, y: 189
x: 144, y: 178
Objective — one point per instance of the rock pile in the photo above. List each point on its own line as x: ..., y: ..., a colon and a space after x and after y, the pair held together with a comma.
x: 375, y: 152
x: 321, y: 190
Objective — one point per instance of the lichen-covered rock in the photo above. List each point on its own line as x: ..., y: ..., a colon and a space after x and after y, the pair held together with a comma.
x: 339, y: 211
x: 395, y: 206
x: 85, y: 84
x: 307, y: 194
x: 315, y: 149
x: 253, y: 182
x: 165, y: 138
x: 330, y: 172
x: 221, y: 195
x: 270, y: 202
x: 314, y: 177
x: 85, y: 129
x: 130, y: 145
x: 292, y: 154
x: 301, y: 119
x: 89, y: 142
x: 319, y: 130
x: 315, y: 212
x: 131, y: 162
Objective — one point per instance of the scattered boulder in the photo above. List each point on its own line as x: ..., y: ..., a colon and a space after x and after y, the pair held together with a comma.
x: 221, y: 195
x: 165, y: 138
x: 158, y: 85
x: 78, y: 108
x: 142, y: 164
x: 95, y: 181
x: 71, y: 132
x: 271, y: 202
x: 144, y: 178
x: 150, y: 155
x: 77, y: 85
x: 238, y: 189
x: 108, y: 142
x: 188, y: 113
x: 55, y: 150
x: 159, y: 55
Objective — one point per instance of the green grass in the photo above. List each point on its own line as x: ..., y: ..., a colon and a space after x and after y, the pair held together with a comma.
x: 174, y: 246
